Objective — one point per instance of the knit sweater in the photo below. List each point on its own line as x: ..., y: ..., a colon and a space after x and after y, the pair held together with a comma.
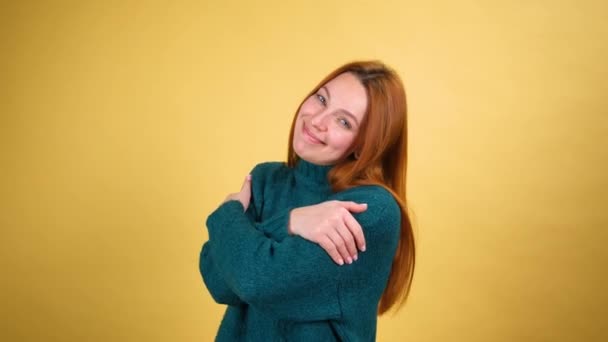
x: 280, y: 287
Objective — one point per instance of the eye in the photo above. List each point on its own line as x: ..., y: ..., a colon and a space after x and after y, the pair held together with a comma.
x: 344, y: 123
x: 321, y: 99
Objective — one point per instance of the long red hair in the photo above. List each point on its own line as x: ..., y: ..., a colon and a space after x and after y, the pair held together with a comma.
x: 381, y: 159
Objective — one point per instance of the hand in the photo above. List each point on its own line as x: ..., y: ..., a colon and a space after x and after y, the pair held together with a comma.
x: 331, y: 225
x: 243, y: 196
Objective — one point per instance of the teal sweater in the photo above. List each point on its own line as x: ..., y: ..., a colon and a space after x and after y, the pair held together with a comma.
x: 280, y: 287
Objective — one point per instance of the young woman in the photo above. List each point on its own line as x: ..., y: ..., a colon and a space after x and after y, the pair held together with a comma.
x: 315, y: 248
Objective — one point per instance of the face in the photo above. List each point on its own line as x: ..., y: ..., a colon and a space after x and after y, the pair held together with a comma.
x: 329, y: 120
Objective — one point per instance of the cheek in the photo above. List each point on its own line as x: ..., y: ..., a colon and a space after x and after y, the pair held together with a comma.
x: 297, y: 128
x: 300, y: 117
x: 341, y: 141
x: 309, y: 106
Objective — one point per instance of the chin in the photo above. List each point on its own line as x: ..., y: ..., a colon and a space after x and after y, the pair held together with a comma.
x: 304, y: 151
x: 301, y: 153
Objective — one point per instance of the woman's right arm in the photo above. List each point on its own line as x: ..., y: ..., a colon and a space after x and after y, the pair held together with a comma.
x: 292, y: 279
x: 333, y: 228
x: 215, y: 283
x: 329, y: 224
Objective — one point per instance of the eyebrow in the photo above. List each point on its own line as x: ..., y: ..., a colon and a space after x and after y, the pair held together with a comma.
x: 343, y: 110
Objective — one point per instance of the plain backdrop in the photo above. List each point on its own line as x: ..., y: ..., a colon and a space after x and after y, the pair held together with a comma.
x: 125, y: 123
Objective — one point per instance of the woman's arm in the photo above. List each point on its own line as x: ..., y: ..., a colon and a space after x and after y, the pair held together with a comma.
x: 292, y: 279
x: 328, y: 220
x: 332, y: 226
x: 213, y: 280
x: 216, y: 285
x: 329, y: 224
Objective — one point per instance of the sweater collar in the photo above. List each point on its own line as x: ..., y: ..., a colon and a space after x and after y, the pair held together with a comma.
x: 312, y: 173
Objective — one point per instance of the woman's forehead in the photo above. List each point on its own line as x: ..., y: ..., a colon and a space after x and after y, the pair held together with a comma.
x: 347, y: 92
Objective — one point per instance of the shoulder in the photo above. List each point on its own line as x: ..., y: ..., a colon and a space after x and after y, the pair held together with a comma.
x: 382, y: 208
x: 269, y: 177
x: 266, y: 178
x: 268, y: 166
x: 268, y: 171
x: 371, y: 193
x: 377, y: 197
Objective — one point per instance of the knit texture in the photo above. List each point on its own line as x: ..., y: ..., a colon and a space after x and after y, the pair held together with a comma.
x: 280, y: 287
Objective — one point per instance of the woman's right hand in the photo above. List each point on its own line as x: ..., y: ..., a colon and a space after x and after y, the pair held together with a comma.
x: 332, y: 226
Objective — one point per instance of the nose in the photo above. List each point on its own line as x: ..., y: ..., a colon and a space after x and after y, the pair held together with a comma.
x: 318, y: 121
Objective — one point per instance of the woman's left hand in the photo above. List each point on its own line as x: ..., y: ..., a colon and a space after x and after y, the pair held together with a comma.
x: 243, y: 196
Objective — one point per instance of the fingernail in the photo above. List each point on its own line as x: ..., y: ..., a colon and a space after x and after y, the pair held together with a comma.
x: 356, y: 257
x: 349, y: 260
x: 363, y: 248
x: 248, y: 177
x: 340, y: 262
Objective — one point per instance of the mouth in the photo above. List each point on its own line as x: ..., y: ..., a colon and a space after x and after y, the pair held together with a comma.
x: 311, y: 137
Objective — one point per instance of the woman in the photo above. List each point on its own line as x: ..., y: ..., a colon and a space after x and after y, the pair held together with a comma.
x: 315, y: 249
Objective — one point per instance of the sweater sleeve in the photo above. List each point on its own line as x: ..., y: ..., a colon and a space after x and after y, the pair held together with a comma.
x: 220, y: 292
x: 214, y: 282
x: 216, y: 285
x: 292, y: 279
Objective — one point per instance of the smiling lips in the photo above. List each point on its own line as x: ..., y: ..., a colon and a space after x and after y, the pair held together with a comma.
x: 310, y: 137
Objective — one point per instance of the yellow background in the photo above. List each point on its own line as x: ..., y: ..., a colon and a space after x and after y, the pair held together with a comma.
x: 125, y: 123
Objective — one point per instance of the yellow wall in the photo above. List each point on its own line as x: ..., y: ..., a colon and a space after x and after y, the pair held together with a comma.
x: 124, y: 124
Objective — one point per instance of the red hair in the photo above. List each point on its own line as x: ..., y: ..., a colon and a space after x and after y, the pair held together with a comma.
x: 381, y: 159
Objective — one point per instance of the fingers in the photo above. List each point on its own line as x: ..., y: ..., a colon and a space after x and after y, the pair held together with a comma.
x: 347, y: 234
x: 340, y: 246
x: 243, y: 196
x: 327, y: 244
x: 353, y: 206
x: 246, y: 184
x: 349, y: 242
x: 355, y: 230
x: 336, y: 231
